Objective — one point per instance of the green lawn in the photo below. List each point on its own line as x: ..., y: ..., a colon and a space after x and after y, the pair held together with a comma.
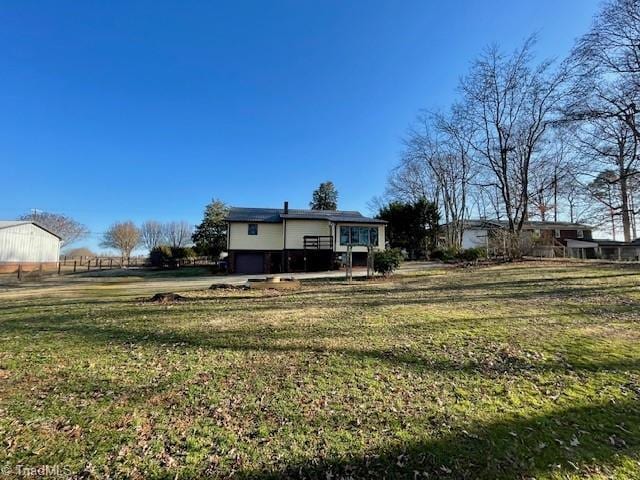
x: 518, y: 371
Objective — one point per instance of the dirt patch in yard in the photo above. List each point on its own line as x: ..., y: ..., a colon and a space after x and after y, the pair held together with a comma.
x: 168, y: 297
x: 228, y: 286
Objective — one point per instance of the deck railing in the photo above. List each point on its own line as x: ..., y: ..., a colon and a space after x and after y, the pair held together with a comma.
x: 318, y: 242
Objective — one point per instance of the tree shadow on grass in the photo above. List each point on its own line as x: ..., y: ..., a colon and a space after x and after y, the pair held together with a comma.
x: 266, y: 339
x: 593, y: 438
x: 425, y: 296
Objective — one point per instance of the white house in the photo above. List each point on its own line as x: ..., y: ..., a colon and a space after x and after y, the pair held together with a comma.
x: 270, y: 240
x: 476, y: 233
x: 574, y: 239
x: 29, y: 245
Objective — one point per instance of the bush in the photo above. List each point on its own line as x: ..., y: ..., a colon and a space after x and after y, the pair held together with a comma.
x: 451, y: 254
x: 164, y: 256
x: 160, y: 256
x: 444, y: 255
x: 472, y: 254
x: 178, y: 253
x: 386, y: 261
x: 79, y: 252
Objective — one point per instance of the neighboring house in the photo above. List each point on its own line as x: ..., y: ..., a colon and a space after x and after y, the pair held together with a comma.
x: 576, y: 238
x: 477, y: 233
x: 27, y: 244
x: 270, y: 240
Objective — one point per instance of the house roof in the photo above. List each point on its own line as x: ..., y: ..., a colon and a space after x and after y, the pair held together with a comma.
x: 275, y: 215
x: 605, y: 242
x: 565, y: 225
x: 15, y: 223
x: 239, y: 214
x: 571, y: 243
x: 488, y: 223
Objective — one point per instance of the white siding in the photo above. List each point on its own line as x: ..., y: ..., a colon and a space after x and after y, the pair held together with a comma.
x: 269, y: 236
x: 343, y: 248
x: 27, y: 243
x: 297, y: 229
x: 474, y: 238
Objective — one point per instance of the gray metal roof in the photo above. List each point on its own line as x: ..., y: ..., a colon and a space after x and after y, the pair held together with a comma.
x: 605, y: 242
x: 239, y: 214
x: 275, y: 215
x: 488, y: 223
x: 15, y: 223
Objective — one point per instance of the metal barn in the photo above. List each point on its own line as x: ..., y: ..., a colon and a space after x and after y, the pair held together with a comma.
x: 27, y: 245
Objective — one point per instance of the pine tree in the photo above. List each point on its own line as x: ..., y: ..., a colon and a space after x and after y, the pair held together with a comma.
x: 210, y: 236
x: 325, y: 197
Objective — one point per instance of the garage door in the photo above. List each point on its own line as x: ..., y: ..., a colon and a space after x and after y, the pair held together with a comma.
x: 249, y: 263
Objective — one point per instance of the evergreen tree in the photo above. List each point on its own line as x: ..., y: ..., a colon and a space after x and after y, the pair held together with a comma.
x: 412, y: 226
x: 210, y: 237
x: 325, y: 197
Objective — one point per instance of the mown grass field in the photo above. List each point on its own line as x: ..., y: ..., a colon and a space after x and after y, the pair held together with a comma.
x: 516, y: 371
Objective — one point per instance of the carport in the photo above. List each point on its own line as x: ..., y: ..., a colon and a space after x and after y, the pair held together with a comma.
x: 581, y: 249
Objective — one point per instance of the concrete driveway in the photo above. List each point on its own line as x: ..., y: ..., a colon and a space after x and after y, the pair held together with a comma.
x: 131, y: 284
x: 406, y: 267
x: 198, y: 283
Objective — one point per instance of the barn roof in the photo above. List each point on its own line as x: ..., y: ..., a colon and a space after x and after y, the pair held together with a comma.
x: 15, y: 223
x: 11, y: 223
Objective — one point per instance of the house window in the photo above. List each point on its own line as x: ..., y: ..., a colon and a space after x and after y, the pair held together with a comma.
x: 344, y: 236
x: 252, y: 229
x: 580, y: 234
x: 373, y: 236
x: 358, y: 236
x: 557, y: 232
x: 362, y: 235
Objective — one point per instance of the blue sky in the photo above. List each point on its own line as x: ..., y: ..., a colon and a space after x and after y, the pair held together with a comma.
x: 146, y: 110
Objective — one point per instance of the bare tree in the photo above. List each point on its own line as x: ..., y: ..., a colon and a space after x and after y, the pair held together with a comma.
x: 555, y: 171
x: 580, y: 205
x: 607, y: 95
x: 375, y: 204
x: 410, y: 181
x: 634, y: 202
x: 609, y: 145
x: 439, y: 146
x: 68, y: 229
x: 613, y: 42
x: 607, y: 59
x: 487, y: 200
x: 604, y: 189
x: 178, y: 234
x: 123, y: 236
x: 511, y: 104
x: 152, y: 234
